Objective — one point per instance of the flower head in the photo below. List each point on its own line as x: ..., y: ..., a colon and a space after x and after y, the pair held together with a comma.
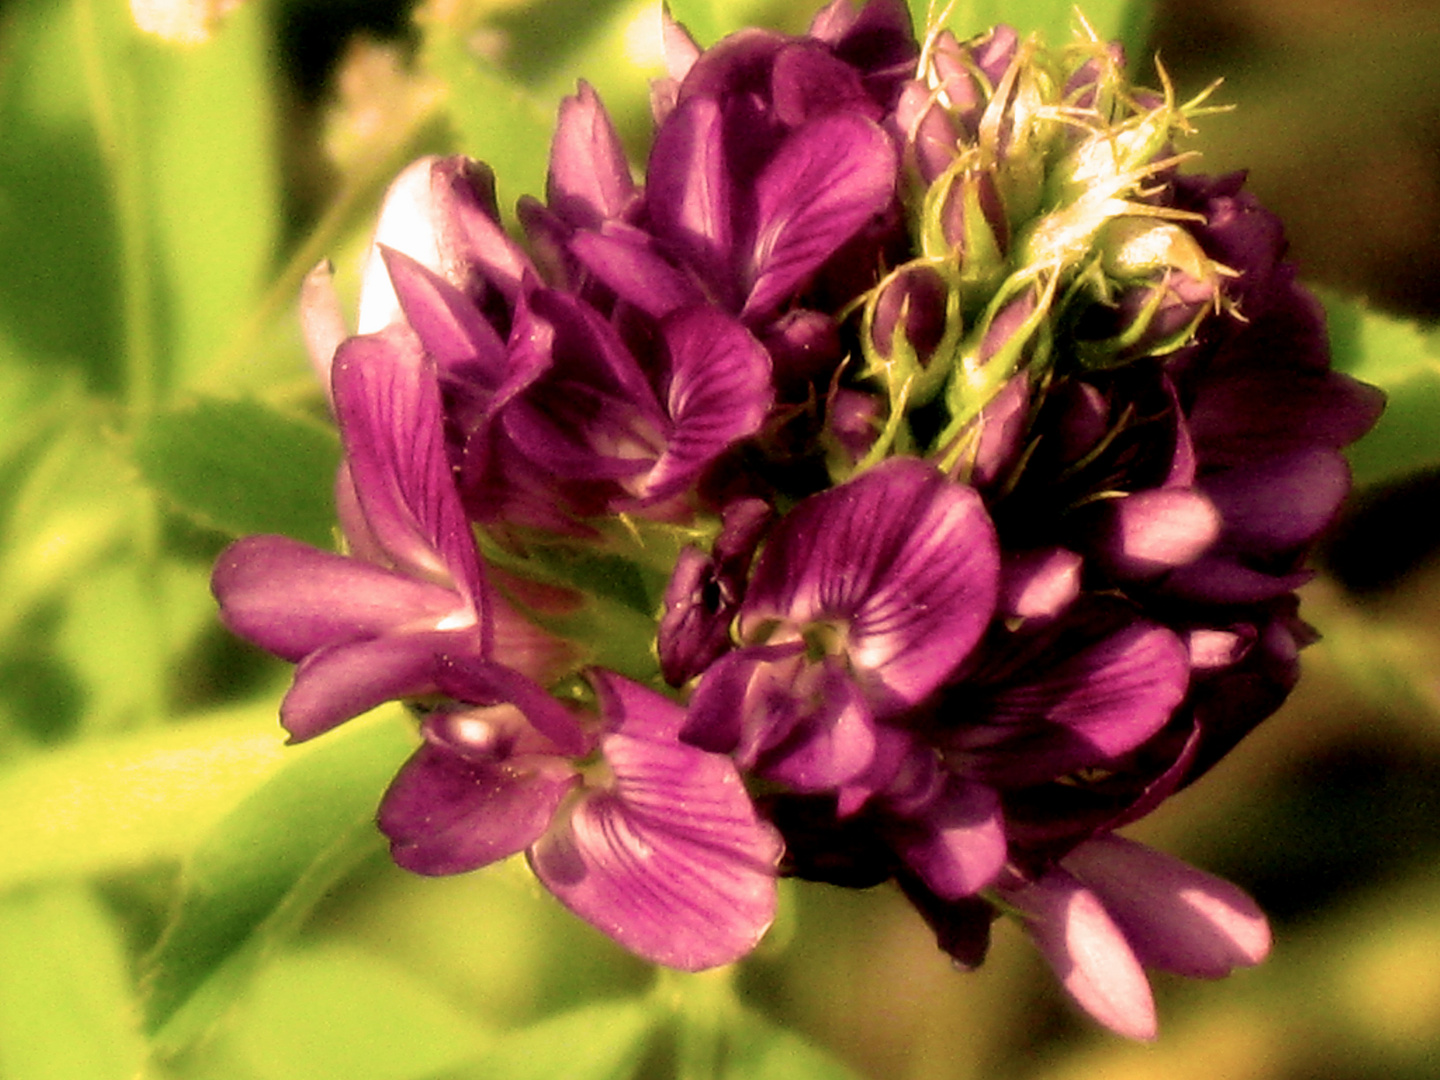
x: 915, y: 466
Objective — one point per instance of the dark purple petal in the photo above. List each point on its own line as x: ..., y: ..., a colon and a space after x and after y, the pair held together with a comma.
x: 339, y: 682
x: 448, y: 815
x: 956, y: 844
x: 1175, y: 917
x: 688, y: 193
x: 808, y: 81
x: 827, y: 181
x: 387, y: 402
x: 1071, y: 707
x: 672, y: 861
x: 1276, y: 504
x: 799, y: 722
x: 589, y: 180
x: 1247, y: 414
x: 292, y: 599
x: 903, y: 560
x: 624, y: 260
x: 457, y: 337
x: 1089, y: 954
x: 719, y: 393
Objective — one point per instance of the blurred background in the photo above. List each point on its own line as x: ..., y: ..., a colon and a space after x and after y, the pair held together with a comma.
x: 1329, y: 814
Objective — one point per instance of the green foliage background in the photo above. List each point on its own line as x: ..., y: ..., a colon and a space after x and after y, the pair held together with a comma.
x: 181, y: 896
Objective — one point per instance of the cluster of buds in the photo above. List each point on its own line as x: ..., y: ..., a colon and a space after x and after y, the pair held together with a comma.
x: 909, y: 481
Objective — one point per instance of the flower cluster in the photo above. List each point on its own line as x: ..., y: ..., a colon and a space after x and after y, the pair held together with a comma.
x: 909, y: 481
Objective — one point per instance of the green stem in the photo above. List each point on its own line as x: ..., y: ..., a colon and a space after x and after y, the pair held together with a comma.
x: 705, y: 1008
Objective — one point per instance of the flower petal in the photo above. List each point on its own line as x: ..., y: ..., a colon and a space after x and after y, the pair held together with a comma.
x: 589, y: 180
x: 672, y: 861
x: 906, y: 560
x: 1077, y: 698
x: 448, y: 815
x: 1175, y: 917
x: 292, y: 599
x: 340, y: 682
x: 829, y: 179
x: 719, y: 393
x: 387, y: 401
x: 688, y: 193
x: 1091, y: 957
x: 957, y: 843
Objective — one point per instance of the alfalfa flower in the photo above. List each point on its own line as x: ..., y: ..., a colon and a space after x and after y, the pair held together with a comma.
x: 914, y: 464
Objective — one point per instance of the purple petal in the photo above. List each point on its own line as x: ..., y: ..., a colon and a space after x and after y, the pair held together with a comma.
x: 589, y: 180
x: 905, y: 560
x: 387, y: 402
x: 623, y: 259
x: 821, y: 736
x: 1277, y: 504
x: 719, y: 394
x: 1038, y: 584
x: 1070, y: 708
x: 828, y: 179
x: 591, y: 414
x: 447, y: 815
x: 808, y: 81
x: 688, y: 192
x: 957, y: 844
x: 458, y: 338
x: 672, y: 861
x: 1248, y: 414
x: 1175, y: 917
x: 1149, y: 532
x: 292, y: 599
x: 340, y: 682
x: 481, y: 682
x: 1089, y: 954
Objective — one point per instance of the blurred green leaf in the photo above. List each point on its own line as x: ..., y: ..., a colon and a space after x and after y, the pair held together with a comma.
x: 333, y: 1012
x: 111, y: 804
x: 604, y: 1041
x: 242, y: 467
x: 59, y: 256
x: 66, y: 1004
x: 702, y: 18
x: 496, y: 119
x: 211, y: 180
x: 762, y: 1050
x: 68, y: 502
x: 253, y: 879
x: 1403, y: 359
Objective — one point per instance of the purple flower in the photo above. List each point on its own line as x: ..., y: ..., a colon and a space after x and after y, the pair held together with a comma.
x: 657, y: 845
x: 1113, y: 908
x: 369, y: 627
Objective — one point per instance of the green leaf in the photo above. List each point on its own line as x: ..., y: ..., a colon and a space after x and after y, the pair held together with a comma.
x: 212, y: 180
x: 604, y: 1041
x: 497, y: 120
x: 242, y: 467
x: 59, y: 261
x: 702, y: 18
x: 334, y: 1012
x: 761, y: 1050
x: 110, y: 804
x: 254, y: 878
x: 1403, y: 359
x: 66, y: 1003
